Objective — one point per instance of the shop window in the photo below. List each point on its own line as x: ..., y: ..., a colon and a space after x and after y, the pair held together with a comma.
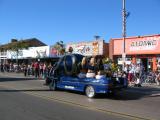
x: 149, y: 60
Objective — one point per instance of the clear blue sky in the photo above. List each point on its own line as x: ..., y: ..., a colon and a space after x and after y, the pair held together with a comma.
x: 76, y: 20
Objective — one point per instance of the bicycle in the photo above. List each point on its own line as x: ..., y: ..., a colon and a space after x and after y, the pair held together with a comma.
x: 150, y: 79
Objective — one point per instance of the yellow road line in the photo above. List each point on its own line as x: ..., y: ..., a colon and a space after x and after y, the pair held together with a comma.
x: 80, y: 105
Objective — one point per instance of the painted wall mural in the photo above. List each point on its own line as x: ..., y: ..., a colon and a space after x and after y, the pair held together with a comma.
x: 87, y: 48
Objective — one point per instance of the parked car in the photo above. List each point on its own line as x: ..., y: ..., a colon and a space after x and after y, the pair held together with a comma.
x: 64, y: 76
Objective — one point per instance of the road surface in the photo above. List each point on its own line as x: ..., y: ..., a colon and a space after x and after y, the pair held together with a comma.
x: 27, y: 98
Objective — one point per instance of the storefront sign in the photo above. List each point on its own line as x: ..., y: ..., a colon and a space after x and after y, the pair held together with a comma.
x: 138, y: 45
x: 87, y: 48
x: 32, y: 52
x: 143, y: 45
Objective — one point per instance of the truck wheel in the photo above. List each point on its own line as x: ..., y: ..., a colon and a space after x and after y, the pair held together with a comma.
x: 90, y: 91
x: 112, y: 93
x: 52, y: 85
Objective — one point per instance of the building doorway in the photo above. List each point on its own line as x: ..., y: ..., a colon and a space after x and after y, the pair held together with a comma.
x: 144, y: 62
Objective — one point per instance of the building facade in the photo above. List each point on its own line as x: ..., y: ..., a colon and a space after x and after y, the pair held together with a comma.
x: 140, y: 49
x: 6, y: 55
x: 3, y: 56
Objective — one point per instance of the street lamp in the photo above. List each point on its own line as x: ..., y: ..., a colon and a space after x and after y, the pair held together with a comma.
x: 124, y: 32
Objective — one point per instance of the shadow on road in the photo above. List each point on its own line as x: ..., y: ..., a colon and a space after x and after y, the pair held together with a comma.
x: 125, y: 95
x: 25, y: 90
x: 133, y: 94
x: 122, y: 95
x: 4, y: 79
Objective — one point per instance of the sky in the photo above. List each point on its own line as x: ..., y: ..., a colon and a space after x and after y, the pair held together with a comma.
x: 76, y: 20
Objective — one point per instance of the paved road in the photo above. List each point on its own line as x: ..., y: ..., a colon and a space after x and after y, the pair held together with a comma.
x: 24, y: 104
x: 16, y: 105
x: 134, y: 103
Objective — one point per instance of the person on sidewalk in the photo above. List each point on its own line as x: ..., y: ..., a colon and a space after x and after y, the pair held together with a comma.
x: 2, y: 67
x: 137, y: 76
x: 44, y: 71
x: 41, y: 69
x: 130, y: 74
x: 25, y: 70
x: 36, y: 67
x: 157, y: 79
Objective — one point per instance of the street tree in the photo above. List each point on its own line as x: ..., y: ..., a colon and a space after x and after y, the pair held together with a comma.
x: 15, y: 47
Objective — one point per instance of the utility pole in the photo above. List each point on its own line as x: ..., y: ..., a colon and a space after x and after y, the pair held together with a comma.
x: 124, y: 32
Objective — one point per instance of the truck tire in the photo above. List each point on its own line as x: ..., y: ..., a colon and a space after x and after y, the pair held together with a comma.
x: 90, y: 91
x: 52, y: 85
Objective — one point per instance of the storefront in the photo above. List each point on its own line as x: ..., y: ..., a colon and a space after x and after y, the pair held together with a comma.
x: 42, y: 54
x: 140, y: 49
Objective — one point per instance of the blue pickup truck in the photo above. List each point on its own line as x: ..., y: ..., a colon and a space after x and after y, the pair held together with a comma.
x: 62, y: 76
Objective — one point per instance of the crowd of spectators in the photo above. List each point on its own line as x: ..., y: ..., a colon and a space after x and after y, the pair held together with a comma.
x: 37, y: 69
x: 134, y: 73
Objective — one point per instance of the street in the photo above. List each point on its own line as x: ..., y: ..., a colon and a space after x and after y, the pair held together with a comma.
x: 18, y: 106
x: 80, y: 60
x: 27, y: 98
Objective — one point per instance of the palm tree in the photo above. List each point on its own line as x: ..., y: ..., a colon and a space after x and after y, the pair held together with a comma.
x: 97, y: 37
x: 60, y: 47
